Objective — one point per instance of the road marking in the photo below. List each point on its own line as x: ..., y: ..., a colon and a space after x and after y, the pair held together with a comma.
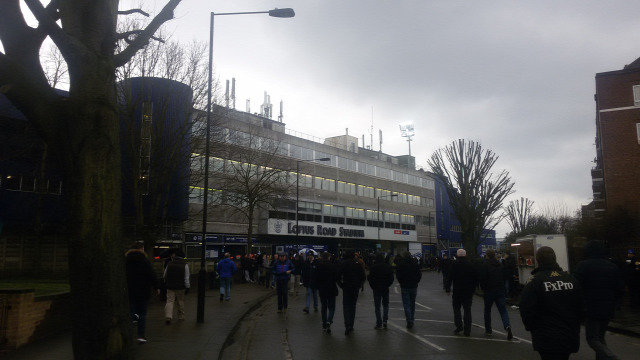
x: 470, y: 338
x: 417, y: 337
x: 395, y: 308
x: 424, y: 306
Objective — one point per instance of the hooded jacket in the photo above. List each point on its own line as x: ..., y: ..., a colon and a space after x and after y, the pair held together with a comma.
x: 325, y: 278
x: 380, y: 277
x: 491, y: 276
x: 226, y: 268
x: 551, y: 308
x: 600, y: 280
x: 408, y: 273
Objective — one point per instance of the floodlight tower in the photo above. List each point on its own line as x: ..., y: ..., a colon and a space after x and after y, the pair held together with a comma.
x: 406, y: 130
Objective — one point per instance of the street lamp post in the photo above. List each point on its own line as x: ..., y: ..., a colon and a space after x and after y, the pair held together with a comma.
x: 282, y: 13
x: 298, y: 188
x: 378, y: 212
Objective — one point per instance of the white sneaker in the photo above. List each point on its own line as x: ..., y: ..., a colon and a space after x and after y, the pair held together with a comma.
x: 142, y: 340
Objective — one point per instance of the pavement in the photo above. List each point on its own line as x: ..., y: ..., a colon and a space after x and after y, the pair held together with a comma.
x: 191, y: 340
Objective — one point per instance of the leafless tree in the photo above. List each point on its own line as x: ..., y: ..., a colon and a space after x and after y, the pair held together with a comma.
x: 519, y: 213
x: 82, y: 132
x: 254, y: 176
x: 475, y: 193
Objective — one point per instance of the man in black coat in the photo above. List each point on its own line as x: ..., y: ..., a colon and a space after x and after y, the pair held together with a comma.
x: 325, y: 278
x: 140, y: 279
x: 551, y: 308
x: 444, y: 266
x: 492, y: 283
x: 351, y: 276
x: 463, y: 277
x: 409, y: 275
x: 602, y: 285
x: 380, y: 278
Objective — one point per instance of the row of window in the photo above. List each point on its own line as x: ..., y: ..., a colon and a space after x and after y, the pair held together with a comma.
x: 29, y: 183
x: 311, y: 211
x: 282, y: 148
x: 388, y: 224
x: 221, y: 166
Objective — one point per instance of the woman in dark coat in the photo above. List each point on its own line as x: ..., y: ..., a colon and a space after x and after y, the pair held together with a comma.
x: 140, y: 279
x: 325, y: 278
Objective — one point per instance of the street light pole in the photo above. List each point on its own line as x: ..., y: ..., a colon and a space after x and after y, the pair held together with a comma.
x: 282, y: 13
x: 298, y: 188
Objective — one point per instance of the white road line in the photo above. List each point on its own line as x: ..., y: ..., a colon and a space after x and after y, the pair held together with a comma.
x: 424, y: 306
x: 395, y: 308
x: 470, y: 338
x: 417, y: 337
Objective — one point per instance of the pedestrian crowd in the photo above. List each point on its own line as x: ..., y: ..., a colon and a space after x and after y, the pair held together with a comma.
x: 553, y: 304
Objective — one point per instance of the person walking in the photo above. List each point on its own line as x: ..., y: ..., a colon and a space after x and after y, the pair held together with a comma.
x: 226, y: 268
x: 140, y: 280
x: 409, y: 275
x: 551, y: 308
x: 380, y: 279
x: 463, y: 277
x: 510, y: 270
x: 294, y: 287
x: 351, y: 276
x: 282, y: 270
x: 602, y: 285
x: 176, y: 277
x: 444, y: 267
x: 308, y: 269
x: 325, y: 278
x: 492, y: 283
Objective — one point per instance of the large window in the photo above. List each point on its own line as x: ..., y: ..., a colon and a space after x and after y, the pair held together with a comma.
x: 366, y: 191
x: 346, y: 188
x: 636, y: 95
x: 325, y: 184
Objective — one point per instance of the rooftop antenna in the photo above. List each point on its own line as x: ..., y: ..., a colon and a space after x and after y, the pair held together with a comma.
x: 248, y: 106
x: 280, y: 116
x: 371, y: 131
x: 406, y: 130
x: 266, y: 108
x: 233, y: 92
x: 226, y: 95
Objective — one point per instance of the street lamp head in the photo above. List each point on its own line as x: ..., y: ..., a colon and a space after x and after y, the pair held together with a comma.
x: 282, y: 13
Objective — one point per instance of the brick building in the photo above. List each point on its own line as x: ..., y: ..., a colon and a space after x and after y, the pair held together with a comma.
x: 616, y: 175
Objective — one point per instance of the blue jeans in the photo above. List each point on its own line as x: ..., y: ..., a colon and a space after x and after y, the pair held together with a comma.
x: 594, y: 330
x: 328, y: 303
x: 312, y: 291
x: 349, y: 300
x: 381, y: 298
x: 497, y: 297
x: 225, y: 287
x: 139, y: 308
x: 409, y: 303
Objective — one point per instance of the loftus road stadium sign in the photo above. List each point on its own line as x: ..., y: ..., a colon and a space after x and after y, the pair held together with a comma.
x: 305, y: 228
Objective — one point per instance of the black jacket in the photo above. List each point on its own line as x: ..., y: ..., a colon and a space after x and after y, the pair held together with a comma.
x: 140, y: 276
x: 408, y: 273
x: 351, y: 275
x: 325, y: 278
x: 463, y: 275
x: 551, y: 308
x: 491, y: 276
x: 380, y: 277
x: 600, y: 280
x: 308, y: 269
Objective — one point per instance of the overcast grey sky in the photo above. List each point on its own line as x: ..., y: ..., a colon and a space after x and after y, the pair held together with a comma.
x: 517, y: 76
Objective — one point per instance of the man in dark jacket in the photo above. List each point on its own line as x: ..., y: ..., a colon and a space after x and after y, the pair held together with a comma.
x: 492, y: 283
x: 463, y: 276
x: 380, y: 278
x: 140, y: 278
x: 308, y: 269
x: 409, y: 275
x: 325, y: 278
x: 444, y: 266
x: 601, y: 283
x: 509, y: 271
x: 551, y: 308
x: 176, y: 277
x: 351, y: 276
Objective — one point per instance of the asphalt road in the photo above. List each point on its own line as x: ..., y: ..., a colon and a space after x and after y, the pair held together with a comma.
x: 265, y: 334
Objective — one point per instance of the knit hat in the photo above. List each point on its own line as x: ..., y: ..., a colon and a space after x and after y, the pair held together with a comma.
x: 461, y: 253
